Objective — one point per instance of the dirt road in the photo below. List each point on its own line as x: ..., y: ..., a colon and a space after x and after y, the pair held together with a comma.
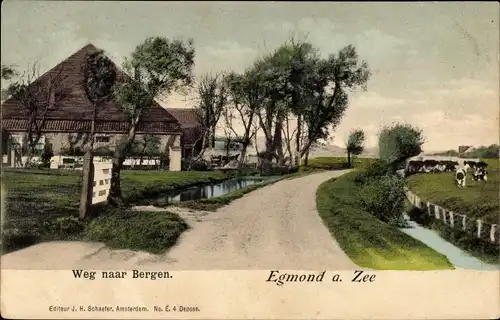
x: 274, y: 227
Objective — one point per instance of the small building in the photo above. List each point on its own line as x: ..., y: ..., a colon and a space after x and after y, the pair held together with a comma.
x: 462, y: 149
x: 68, y: 124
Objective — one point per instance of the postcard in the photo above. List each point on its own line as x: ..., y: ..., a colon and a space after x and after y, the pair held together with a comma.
x: 250, y: 160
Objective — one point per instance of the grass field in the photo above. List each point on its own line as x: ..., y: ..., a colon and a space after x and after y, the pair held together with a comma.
x: 368, y: 241
x: 37, y: 200
x: 478, y: 200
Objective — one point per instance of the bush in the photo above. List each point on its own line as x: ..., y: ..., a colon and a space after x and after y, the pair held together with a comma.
x: 384, y: 198
x: 373, y: 170
x: 67, y: 226
x: 399, y: 142
x: 149, y: 231
x: 16, y: 238
x: 196, y: 165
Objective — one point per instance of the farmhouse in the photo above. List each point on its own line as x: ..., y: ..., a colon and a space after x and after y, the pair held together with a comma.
x: 67, y: 123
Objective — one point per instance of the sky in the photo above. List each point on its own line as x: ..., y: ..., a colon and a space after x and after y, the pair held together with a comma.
x: 434, y: 65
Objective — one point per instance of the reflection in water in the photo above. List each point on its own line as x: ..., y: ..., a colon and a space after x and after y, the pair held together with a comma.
x: 455, y: 255
x: 211, y: 191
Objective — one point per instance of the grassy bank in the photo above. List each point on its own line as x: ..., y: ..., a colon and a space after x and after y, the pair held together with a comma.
x: 479, y: 248
x: 478, y: 200
x: 368, y: 241
x: 42, y: 205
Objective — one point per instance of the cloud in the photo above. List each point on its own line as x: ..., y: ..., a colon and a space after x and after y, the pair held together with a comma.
x: 375, y: 100
x: 373, y: 44
x: 280, y: 27
x: 226, y: 55
x: 464, y: 88
x: 377, y: 43
x: 443, y: 133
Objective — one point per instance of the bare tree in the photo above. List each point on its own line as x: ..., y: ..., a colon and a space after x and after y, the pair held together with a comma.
x: 38, y: 97
x: 246, y: 97
x: 211, y: 100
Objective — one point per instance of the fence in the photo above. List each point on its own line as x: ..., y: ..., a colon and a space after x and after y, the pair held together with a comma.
x: 102, y: 181
x: 477, y: 228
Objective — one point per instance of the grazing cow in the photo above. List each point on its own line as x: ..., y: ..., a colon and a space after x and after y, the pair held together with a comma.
x: 461, y: 175
x: 480, y: 173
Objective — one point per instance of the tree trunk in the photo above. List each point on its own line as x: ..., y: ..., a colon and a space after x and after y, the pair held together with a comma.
x: 243, y: 154
x: 212, y: 142
x: 306, y: 148
x: 306, y: 159
x: 349, y: 159
x: 297, y: 140
x: 115, y: 197
x: 278, y: 141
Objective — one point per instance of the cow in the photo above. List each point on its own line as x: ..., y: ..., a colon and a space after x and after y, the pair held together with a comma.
x: 480, y: 172
x: 461, y: 175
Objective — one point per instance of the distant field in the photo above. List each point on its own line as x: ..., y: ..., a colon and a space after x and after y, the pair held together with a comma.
x: 335, y: 163
x: 477, y: 200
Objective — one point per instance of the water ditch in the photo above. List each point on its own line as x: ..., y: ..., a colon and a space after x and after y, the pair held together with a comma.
x: 456, y: 256
x: 211, y: 190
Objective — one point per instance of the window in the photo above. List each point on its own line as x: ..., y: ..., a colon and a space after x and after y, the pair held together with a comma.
x: 17, y: 140
x: 101, y: 139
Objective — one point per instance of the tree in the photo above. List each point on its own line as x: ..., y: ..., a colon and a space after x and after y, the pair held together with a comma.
x: 271, y: 113
x: 301, y: 58
x: 326, y: 92
x: 298, y: 81
x: 148, y: 147
x: 99, y: 81
x: 8, y: 72
x: 38, y: 97
x: 398, y: 142
x: 212, y: 97
x: 156, y: 68
x: 246, y: 96
x: 354, y: 144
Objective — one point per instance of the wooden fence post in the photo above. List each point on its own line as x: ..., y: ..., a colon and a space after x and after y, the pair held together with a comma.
x: 436, y: 212
x: 492, y: 232
x: 479, y: 227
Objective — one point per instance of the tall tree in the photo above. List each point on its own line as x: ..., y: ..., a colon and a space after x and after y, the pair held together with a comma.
x: 354, y: 144
x: 326, y: 92
x: 99, y: 81
x: 38, y: 97
x: 398, y: 142
x: 156, y: 68
x: 212, y: 97
x: 246, y: 97
x: 273, y: 108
